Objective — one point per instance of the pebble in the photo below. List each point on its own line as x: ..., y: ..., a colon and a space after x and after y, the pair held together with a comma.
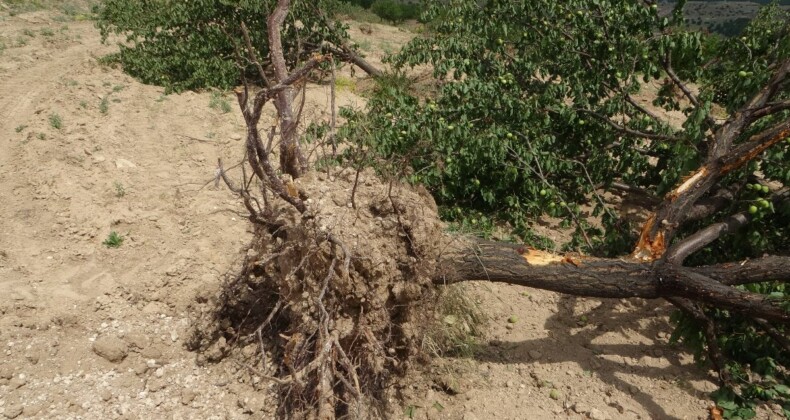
x: 535, y: 354
x: 137, y: 340
x: 156, y: 384
x: 32, y: 410
x: 581, y: 408
x: 140, y: 368
x: 17, y: 382
x: 105, y: 394
x: 33, y: 358
x: 111, y: 348
x: 596, y: 414
x: 13, y: 411
x: 151, y: 353
x: 595, y: 363
x: 187, y: 396
x: 124, y: 164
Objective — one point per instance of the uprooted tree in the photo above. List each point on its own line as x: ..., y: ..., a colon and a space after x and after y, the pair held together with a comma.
x: 537, y: 108
x: 541, y: 107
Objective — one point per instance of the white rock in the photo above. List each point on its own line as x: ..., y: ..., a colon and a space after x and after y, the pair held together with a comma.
x: 124, y: 164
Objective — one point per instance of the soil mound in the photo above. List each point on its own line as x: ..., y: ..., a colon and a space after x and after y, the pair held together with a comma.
x: 333, y: 303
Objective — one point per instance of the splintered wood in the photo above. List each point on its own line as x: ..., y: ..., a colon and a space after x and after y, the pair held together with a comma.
x: 537, y: 257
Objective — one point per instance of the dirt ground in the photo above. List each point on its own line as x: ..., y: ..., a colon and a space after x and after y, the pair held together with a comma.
x: 92, y: 332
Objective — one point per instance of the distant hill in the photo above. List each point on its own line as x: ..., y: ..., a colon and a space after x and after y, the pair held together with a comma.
x: 727, y: 18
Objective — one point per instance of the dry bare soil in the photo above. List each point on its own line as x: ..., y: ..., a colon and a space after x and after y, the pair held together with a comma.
x: 93, y: 332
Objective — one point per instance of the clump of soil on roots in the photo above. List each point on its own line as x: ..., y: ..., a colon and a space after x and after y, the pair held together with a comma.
x: 336, y: 303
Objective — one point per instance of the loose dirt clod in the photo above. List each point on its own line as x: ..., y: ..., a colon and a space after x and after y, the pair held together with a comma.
x: 111, y: 348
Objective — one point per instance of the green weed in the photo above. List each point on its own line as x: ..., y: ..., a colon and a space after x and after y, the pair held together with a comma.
x: 104, y: 105
x: 55, y: 121
x: 218, y: 102
x: 114, y: 240
x: 120, y: 191
x: 19, y: 128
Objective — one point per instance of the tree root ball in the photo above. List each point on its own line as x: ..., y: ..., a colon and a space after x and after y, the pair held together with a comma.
x: 337, y: 299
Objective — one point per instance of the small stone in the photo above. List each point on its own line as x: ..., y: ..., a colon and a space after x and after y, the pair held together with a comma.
x: 151, y: 353
x: 156, y: 384
x: 595, y: 363
x: 254, y: 404
x: 13, y: 411
x: 137, y: 340
x: 17, y: 382
x: 581, y: 408
x: 658, y: 353
x: 509, y: 384
x: 105, y: 394
x: 596, y: 414
x: 111, y: 348
x: 32, y: 410
x: 236, y: 137
x: 451, y: 384
x: 535, y: 354
x: 187, y: 396
x: 124, y: 164
x: 33, y: 358
x: 140, y: 368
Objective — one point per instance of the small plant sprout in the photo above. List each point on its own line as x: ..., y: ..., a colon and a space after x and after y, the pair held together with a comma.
x: 114, y: 240
x: 104, y: 105
x: 218, y: 102
x: 120, y: 191
x: 55, y: 121
x: 19, y: 128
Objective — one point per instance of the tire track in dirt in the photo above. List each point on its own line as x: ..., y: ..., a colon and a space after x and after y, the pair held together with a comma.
x: 22, y: 93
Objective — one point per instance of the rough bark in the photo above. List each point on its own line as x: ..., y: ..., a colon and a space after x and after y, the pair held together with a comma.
x: 621, y: 278
x: 290, y: 154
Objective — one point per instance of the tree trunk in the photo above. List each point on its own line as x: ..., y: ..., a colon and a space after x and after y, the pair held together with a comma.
x: 621, y: 278
x: 290, y: 153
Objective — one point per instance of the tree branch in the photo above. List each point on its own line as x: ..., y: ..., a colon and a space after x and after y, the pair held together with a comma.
x: 771, y: 108
x: 667, y: 64
x: 756, y: 144
x: 678, y: 252
x: 736, y: 124
x: 707, y: 206
x: 603, y: 278
x: 629, y: 131
x: 709, y: 329
x: 770, y: 268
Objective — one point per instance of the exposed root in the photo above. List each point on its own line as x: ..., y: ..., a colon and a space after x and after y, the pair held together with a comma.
x: 336, y: 301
